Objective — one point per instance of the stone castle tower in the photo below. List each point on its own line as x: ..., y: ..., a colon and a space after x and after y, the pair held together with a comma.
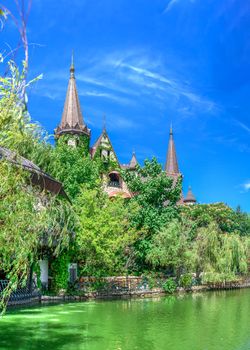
x: 76, y: 133
x: 72, y: 122
x: 172, y: 169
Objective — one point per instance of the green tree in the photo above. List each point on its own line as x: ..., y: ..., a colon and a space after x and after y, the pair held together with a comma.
x: 17, y: 131
x: 243, y: 221
x: 28, y: 218
x: 156, y: 195
x: 218, y: 256
x: 103, y: 232
x: 170, y: 249
x: 226, y: 218
x: 73, y: 168
x: 28, y: 221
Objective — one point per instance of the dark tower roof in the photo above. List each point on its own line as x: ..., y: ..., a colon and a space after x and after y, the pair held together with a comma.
x: 72, y: 120
x: 171, y: 166
x: 133, y: 163
x: 190, y: 199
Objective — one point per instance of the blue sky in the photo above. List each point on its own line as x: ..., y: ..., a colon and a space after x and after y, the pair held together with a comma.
x: 145, y: 64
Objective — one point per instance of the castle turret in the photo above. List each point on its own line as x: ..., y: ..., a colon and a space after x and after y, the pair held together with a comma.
x: 171, y: 167
x: 72, y: 121
x: 190, y: 199
x: 133, y: 163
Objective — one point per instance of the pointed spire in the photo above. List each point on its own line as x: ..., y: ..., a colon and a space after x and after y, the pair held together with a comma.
x: 190, y: 199
x: 104, y: 127
x: 133, y: 163
x: 171, y: 129
x: 72, y: 67
x: 171, y: 166
x: 72, y: 120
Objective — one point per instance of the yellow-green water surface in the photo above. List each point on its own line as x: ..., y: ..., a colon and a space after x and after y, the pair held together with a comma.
x: 208, y: 321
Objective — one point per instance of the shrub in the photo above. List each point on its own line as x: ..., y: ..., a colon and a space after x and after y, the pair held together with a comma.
x: 59, y: 272
x: 170, y: 286
x: 186, y: 281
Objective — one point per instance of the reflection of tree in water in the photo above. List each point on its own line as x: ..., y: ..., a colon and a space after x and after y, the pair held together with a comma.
x: 212, y: 320
x: 27, y: 333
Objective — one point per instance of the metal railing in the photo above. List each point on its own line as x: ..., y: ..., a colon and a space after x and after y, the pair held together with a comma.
x: 114, y: 184
x: 21, y: 293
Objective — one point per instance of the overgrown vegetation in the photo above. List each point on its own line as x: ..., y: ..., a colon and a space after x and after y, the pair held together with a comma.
x: 150, y: 233
x: 28, y: 217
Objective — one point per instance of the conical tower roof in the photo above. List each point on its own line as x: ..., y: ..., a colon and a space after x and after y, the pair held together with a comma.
x: 190, y: 199
x: 171, y: 166
x: 133, y: 163
x: 72, y: 120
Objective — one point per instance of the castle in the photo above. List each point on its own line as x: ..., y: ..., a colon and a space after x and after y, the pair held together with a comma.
x: 77, y: 133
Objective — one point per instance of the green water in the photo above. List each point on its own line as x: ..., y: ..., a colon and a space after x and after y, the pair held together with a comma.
x: 209, y: 321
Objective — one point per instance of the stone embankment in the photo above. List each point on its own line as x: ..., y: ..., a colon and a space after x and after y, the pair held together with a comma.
x: 132, y: 287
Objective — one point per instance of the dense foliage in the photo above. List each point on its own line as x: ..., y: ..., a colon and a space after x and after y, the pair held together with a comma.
x: 103, y: 232
x: 73, y: 167
x: 156, y: 196
x: 150, y: 232
x: 28, y: 217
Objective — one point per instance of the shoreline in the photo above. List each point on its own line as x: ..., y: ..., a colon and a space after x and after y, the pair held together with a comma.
x: 140, y: 294
x: 131, y: 294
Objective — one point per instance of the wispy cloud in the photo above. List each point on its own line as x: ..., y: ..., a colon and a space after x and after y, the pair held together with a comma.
x: 125, y: 77
x: 242, y: 125
x: 172, y: 3
x: 232, y: 142
x: 149, y: 79
x: 122, y: 122
x: 149, y: 74
x: 246, y: 186
x: 103, y: 82
x: 114, y: 121
x: 105, y: 95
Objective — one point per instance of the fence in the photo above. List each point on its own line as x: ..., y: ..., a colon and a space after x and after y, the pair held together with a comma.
x: 21, y: 294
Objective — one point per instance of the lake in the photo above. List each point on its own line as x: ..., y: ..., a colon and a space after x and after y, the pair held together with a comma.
x: 207, y: 321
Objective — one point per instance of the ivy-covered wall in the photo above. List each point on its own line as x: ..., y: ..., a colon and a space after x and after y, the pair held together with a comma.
x: 80, y: 141
x: 59, y: 272
x: 105, y: 156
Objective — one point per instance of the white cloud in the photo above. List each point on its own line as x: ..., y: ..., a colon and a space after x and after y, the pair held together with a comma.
x: 103, y: 82
x: 124, y: 77
x: 242, y: 125
x: 149, y: 74
x: 246, y: 186
x: 172, y: 3
x: 113, y: 121
x: 149, y: 79
x: 106, y: 95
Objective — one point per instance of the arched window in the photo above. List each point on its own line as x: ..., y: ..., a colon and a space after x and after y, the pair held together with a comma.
x: 114, y: 179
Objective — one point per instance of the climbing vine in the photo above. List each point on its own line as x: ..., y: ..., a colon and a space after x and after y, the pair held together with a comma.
x: 59, y: 272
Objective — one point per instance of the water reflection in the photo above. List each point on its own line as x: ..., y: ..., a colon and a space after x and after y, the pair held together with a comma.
x: 200, y: 321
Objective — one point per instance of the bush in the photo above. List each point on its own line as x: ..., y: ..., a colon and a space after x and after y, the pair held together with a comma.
x: 170, y: 286
x: 59, y: 272
x: 186, y: 281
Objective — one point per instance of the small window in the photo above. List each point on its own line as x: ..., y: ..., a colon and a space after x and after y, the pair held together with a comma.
x: 114, y: 180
